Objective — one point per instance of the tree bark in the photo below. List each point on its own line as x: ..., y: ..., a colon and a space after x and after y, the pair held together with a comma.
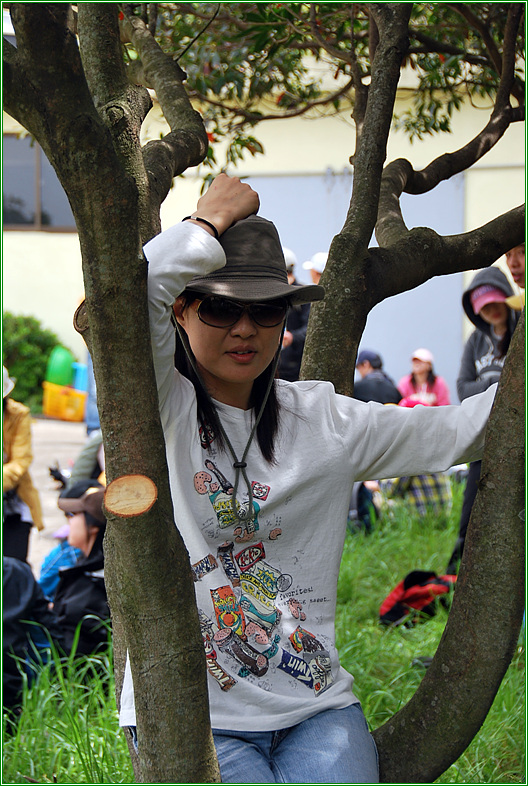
x: 147, y: 571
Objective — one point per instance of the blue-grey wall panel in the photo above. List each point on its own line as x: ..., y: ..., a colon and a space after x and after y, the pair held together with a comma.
x: 309, y: 210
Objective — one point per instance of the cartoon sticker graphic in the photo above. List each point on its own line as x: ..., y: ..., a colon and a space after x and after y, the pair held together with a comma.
x: 260, y: 583
x: 225, y: 680
x: 203, y: 567
x: 254, y: 661
x: 225, y: 555
x: 220, y: 494
x: 315, y: 658
x: 227, y: 609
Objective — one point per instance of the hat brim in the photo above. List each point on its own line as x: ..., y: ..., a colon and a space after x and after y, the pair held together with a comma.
x: 250, y: 289
x: 86, y: 503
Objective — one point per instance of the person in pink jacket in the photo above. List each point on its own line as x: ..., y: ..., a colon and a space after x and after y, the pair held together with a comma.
x: 422, y: 385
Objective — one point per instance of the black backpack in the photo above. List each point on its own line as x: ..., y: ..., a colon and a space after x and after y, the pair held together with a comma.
x: 81, y: 592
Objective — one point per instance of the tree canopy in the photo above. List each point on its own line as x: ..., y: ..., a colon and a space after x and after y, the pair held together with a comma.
x: 249, y: 63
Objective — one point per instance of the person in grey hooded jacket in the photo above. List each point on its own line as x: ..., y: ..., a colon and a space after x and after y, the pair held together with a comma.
x: 484, y: 302
x: 485, y: 351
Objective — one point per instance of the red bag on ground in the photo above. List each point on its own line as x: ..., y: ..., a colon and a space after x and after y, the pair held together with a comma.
x: 418, y: 592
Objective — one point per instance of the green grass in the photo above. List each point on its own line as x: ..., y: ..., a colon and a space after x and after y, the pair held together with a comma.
x: 68, y: 731
x: 381, y: 659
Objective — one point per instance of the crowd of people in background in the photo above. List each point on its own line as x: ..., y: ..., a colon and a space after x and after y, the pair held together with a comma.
x: 71, y: 581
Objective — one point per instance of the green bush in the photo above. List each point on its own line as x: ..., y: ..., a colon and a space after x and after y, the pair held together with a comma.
x: 26, y: 350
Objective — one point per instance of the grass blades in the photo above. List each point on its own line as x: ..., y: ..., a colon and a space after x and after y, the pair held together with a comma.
x: 68, y: 730
x: 384, y: 660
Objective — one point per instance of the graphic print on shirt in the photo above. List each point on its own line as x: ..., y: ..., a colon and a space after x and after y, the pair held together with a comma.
x: 246, y: 609
x: 220, y: 494
x: 488, y: 361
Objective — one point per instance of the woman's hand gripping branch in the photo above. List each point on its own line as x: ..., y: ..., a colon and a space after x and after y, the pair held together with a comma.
x: 226, y: 201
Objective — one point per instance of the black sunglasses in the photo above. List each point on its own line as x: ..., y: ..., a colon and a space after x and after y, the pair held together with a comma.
x: 221, y: 312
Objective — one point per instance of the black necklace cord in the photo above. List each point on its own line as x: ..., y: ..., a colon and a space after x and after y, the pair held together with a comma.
x: 239, y: 466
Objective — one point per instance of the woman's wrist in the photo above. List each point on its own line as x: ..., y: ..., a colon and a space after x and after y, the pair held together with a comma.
x: 207, y: 225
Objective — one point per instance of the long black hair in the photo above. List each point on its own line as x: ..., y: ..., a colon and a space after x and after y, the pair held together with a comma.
x: 431, y: 379
x: 268, y: 425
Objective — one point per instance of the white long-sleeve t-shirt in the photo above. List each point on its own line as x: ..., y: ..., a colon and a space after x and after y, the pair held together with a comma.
x: 266, y: 590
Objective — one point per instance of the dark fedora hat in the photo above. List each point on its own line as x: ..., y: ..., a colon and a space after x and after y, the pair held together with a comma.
x: 255, y: 269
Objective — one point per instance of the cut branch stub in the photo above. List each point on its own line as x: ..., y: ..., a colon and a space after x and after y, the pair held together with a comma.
x: 130, y: 495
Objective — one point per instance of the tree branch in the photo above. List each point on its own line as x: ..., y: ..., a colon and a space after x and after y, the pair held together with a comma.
x: 122, y: 106
x: 482, y: 30
x: 331, y: 49
x: 449, y: 164
x: 254, y: 117
x: 369, y: 159
x: 190, y: 142
x: 508, y: 84
x: 435, y: 255
x: 443, y: 47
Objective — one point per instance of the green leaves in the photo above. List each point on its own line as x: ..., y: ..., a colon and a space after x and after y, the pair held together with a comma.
x: 26, y: 349
x: 255, y: 61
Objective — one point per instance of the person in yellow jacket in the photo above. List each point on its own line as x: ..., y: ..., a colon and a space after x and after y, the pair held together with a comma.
x: 21, y: 508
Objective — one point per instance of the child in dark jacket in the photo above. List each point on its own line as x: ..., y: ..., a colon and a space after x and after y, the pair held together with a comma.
x: 81, y: 590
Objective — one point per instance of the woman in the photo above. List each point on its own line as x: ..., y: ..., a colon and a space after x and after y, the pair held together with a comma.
x: 484, y: 303
x: 262, y: 470
x: 21, y: 508
x: 422, y: 384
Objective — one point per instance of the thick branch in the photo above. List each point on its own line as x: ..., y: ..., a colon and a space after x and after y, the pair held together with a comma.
x: 461, y: 683
x: 370, y: 157
x: 122, y: 106
x: 508, y: 84
x: 449, y: 164
x: 189, y: 141
x: 337, y: 323
x: 99, y: 33
x: 393, y: 271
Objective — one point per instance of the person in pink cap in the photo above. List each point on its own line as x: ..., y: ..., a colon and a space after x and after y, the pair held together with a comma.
x: 485, y: 305
x: 422, y: 385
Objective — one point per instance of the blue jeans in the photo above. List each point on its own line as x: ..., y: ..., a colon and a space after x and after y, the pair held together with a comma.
x: 334, y: 746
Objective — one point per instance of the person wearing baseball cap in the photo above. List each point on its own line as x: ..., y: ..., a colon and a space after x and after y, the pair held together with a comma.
x: 80, y: 599
x: 316, y: 265
x: 422, y: 385
x: 485, y: 305
x: 375, y: 384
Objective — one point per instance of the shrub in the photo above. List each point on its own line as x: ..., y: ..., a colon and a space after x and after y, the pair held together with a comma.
x: 26, y: 350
